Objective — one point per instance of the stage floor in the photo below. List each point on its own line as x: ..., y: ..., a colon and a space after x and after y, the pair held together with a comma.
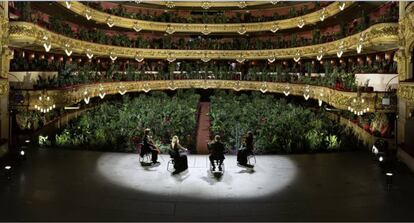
x: 63, y: 185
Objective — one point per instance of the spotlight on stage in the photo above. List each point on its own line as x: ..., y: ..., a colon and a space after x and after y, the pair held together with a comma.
x: 7, y: 168
x: 27, y: 141
x: 381, y: 159
x: 22, y: 153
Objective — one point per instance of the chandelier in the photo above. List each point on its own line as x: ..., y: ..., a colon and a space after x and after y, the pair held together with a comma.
x: 45, y: 103
x: 358, y: 105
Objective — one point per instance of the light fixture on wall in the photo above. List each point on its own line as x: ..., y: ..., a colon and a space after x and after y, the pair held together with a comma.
x: 205, y: 58
x: 263, y: 87
x: 237, y: 86
x: 138, y: 57
x: 242, y: 30
x: 286, y: 91
x: 146, y: 88
x: 112, y: 56
x: 86, y: 97
x: 306, y: 92
x: 170, y: 4
x: 274, y: 2
x: 242, y: 4
x: 296, y: 58
x: 138, y: 1
x: 110, y: 21
x: 320, y: 54
x: 88, y: 14
x: 44, y: 103
x: 358, y: 105
x: 241, y: 58
x: 340, y: 49
x: 89, y: 53
x: 323, y: 14
x: 121, y: 89
x: 136, y: 27
x: 46, y: 43
x: 301, y: 23
x: 171, y: 58
x: 171, y: 85
x: 68, y: 4
x: 205, y: 30
x: 320, y: 97
x: 170, y: 30
x: 342, y: 6
x: 68, y: 49
x: 271, y: 59
x: 206, y: 5
x: 101, y: 91
x: 275, y: 27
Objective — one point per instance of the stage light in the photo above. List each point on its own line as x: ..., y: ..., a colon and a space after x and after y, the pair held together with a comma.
x: 7, y: 167
x: 27, y: 141
x: 381, y: 159
x: 22, y: 153
x: 389, y: 174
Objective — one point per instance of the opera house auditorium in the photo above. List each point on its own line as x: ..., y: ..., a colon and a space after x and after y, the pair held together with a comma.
x: 206, y: 111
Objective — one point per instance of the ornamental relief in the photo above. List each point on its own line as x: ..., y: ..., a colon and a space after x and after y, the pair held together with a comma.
x: 78, y: 94
x: 376, y: 34
x: 102, y: 17
x: 406, y: 91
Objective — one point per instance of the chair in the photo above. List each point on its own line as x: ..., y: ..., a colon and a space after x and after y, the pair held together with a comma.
x: 170, y: 164
x: 251, y: 159
x: 217, y: 164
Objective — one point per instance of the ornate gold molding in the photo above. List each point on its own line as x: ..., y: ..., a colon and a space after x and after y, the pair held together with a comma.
x: 406, y: 45
x: 384, y: 36
x: 211, y: 4
x: 76, y: 94
x: 406, y: 91
x: 4, y: 86
x: 102, y: 17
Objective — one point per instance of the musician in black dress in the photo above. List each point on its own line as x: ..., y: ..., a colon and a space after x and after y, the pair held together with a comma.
x: 217, y: 150
x: 148, y: 146
x: 177, y: 153
x: 246, y: 151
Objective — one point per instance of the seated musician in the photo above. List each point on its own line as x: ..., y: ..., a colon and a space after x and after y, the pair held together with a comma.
x: 177, y: 153
x: 148, y: 146
x: 246, y: 151
x: 217, y: 151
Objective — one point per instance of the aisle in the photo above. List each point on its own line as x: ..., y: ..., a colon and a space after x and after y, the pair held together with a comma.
x: 203, y: 131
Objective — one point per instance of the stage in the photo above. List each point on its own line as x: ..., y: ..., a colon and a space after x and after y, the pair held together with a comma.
x: 64, y: 185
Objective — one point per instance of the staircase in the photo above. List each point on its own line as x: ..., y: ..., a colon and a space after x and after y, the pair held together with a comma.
x: 203, y: 131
